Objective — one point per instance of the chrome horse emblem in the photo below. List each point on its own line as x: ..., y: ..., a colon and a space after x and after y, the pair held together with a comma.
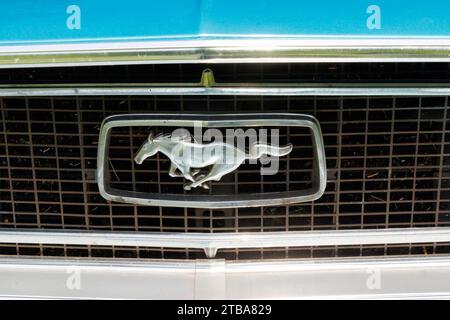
x: 200, y: 163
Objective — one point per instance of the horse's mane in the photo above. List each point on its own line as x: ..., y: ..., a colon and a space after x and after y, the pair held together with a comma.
x: 168, y: 136
x: 160, y: 136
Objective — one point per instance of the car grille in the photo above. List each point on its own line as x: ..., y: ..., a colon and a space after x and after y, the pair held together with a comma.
x: 388, y: 161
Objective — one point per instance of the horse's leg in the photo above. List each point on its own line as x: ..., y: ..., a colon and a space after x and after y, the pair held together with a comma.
x: 216, y: 173
x: 185, y: 171
x: 173, y: 171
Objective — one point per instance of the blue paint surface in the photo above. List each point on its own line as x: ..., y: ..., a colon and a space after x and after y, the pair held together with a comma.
x: 44, y: 21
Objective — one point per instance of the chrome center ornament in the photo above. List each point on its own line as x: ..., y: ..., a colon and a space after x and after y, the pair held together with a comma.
x: 188, y: 157
x: 203, y: 163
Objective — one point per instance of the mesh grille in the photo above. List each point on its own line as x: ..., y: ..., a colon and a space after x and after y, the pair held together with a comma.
x: 238, y: 73
x: 387, y: 158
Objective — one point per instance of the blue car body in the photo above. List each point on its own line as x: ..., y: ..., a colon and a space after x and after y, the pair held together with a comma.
x: 28, y: 21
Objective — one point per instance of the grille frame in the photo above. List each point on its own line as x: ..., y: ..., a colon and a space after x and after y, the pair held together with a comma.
x: 418, y: 94
x: 213, y: 121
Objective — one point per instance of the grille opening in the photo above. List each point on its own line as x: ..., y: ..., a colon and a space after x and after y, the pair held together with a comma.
x: 388, y: 160
x: 294, y: 171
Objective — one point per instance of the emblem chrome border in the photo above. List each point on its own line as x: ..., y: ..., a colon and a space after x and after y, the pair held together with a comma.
x: 319, y: 178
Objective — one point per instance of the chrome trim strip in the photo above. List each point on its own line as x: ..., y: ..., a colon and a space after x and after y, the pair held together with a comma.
x: 232, y: 266
x: 261, y: 49
x: 323, y: 264
x: 343, y: 89
x: 319, y: 175
x: 251, y: 42
x: 213, y: 242
x: 343, y: 278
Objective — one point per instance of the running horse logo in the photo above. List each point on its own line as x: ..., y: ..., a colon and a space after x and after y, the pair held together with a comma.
x: 190, y: 159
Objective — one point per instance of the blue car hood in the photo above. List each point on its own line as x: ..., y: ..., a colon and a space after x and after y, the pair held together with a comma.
x: 30, y: 21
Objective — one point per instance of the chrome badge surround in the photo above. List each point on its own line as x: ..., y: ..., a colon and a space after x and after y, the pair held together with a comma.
x: 212, y: 121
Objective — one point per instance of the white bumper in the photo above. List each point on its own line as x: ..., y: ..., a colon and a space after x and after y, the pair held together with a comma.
x: 383, y: 278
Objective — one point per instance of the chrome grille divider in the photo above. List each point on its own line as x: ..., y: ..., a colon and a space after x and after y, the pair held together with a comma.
x: 210, y: 243
x: 157, y: 89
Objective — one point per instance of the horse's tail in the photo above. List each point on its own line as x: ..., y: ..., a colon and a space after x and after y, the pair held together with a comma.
x: 257, y: 150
